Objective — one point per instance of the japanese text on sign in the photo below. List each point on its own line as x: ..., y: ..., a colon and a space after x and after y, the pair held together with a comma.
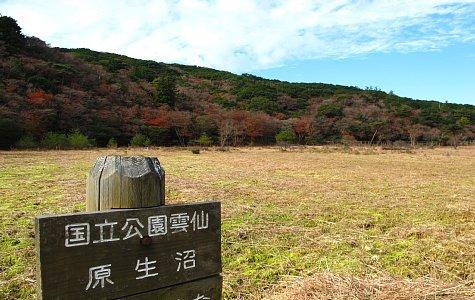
x: 79, y: 234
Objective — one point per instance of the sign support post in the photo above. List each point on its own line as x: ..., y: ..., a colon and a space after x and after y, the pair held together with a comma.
x: 129, y: 245
x: 125, y: 182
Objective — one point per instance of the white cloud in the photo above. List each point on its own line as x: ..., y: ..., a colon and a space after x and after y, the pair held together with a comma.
x: 246, y: 35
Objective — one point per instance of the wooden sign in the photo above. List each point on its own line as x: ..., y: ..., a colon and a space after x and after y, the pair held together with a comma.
x: 128, y: 252
x: 201, y: 289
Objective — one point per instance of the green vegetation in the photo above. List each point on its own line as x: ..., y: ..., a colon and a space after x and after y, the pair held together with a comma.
x: 112, y: 143
x: 140, y: 140
x: 165, y: 89
x: 74, y: 140
x: 11, y: 34
x: 142, y: 69
x: 43, y: 83
x: 262, y: 104
x: 77, y: 140
x: 54, y: 140
x: 26, y: 142
x: 330, y: 111
x: 9, y: 132
x: 204, y: 140
x: 286, y: 136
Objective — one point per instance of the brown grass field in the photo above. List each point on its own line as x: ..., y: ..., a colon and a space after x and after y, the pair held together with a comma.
x: 298, y: 223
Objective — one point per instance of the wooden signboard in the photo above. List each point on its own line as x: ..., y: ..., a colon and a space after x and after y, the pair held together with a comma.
x: 201, y: 289
x: 131, y: 253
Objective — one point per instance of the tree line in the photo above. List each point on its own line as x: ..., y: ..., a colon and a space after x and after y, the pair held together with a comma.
x: 76, y: 98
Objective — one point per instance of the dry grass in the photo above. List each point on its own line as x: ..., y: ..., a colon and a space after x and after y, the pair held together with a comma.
x: 369, y: 220
x: 336, y: 287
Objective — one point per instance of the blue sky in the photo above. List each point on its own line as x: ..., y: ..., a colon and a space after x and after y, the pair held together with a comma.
x: 423, y: 49
x: 447, y: 74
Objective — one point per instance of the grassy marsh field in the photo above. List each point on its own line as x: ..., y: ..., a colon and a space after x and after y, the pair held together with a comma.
x: 297, y: 223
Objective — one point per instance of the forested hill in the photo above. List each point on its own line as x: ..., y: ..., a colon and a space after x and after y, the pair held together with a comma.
x: 51, y: 97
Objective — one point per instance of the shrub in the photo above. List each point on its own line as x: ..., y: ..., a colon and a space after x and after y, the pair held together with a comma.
x: 43, y: 83
x: 9, y: 132
x: 26, y: 142
x: 403, y: 110
x: 464, y: 121
x: 224, y: 102
x: 195, y: 151
x: 204, y: 140
x: 286, y: 136
x: 54, y: 140
x: 77, y: 140
x: 140, y: 140
x: 262, y: 104
x: 101, y: 132
x: 112, y: 143
x: 157, y: 135
x: 330, y: 110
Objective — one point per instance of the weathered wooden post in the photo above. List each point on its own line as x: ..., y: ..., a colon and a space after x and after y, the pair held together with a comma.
x: 130, y: 245
x: 125, y: 182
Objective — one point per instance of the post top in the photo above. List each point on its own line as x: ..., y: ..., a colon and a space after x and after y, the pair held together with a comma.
x: 128, y: 166
x: 117, y: 181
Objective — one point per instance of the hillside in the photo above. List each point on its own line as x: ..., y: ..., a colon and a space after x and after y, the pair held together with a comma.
x: 46, y: 93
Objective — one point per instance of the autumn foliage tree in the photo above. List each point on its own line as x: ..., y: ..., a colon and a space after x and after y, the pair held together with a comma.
x: 109, y: 96
x: 304, y: 128
x: 39, y: 98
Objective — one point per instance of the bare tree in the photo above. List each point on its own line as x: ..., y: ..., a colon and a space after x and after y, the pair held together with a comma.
x: 225, y: 130
x: 415, y: 131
